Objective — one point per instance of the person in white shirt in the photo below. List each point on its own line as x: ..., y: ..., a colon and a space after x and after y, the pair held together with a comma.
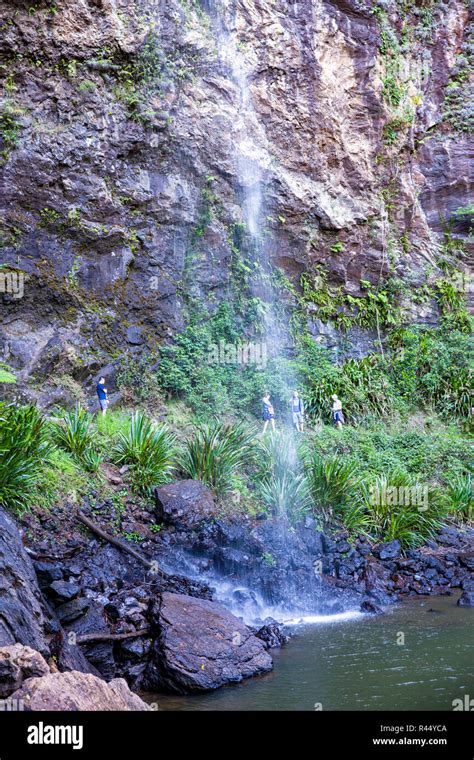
x: 336, y: 408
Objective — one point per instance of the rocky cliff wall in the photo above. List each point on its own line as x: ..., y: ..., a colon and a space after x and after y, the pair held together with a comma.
x: 122, y: 190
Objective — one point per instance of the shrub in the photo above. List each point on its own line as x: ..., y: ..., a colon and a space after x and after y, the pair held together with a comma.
x: 74, y: 432
x: 406, y: 520
x: 108, y: 427
x: 459, y: 498
x: 332, y: 482
x: 286, y: 495
x: 24, y: 450
x: 277, y: 454
x: 434, y: 452
x: 148, y: 450
x: 91, y: 460
x: 216, y: 452
x: 137, y: 379
x: 60, y: 478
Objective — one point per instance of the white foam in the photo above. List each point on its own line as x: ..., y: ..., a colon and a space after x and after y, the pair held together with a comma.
x: 339, y: 617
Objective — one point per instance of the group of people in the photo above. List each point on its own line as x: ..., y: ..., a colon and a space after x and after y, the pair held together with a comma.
x: 297, y: 411
x: 268, y: 412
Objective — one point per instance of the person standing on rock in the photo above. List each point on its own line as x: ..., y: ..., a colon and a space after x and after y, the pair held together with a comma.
x: 337, y: 415
x: 297, y: 411
x: 102, y: 394
x: 268, y: 413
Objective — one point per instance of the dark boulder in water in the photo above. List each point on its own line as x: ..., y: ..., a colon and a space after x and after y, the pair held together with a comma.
x: 370, y: 607
x: 271, y: 634
x: 200, y: 646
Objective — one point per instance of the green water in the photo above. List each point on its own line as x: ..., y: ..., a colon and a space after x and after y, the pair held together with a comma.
x: 358, y: 665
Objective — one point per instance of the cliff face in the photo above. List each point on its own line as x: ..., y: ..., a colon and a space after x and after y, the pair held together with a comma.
x: 145, y: 144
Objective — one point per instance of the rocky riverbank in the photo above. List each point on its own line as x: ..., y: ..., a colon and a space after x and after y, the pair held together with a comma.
x: 189, y: 612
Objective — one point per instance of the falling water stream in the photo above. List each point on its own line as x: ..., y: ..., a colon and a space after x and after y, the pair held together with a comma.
x: 252, y: 161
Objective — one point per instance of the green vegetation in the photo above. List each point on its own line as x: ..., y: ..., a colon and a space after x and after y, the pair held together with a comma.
x: 346, y: 468
x: 7, y: 375
x: 24, y: 449
x: 330, y: 473
x: 148, y: 450
x: 10, y: 128
x: 375, y: 309
x: 458, y: 101
x: 74, y: 433
x: 459, y: 497
x: 332, y: 482
x: 186, y: 369
x: 282, y: 485
x: 216, y: 452
x: 409, y: 522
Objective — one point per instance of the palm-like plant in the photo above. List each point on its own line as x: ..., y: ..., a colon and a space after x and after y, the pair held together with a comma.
x: 24, y: 448
x: 286, y: 495
x: 405, y: 519
x: 216, y: 452
x: 149, y: 451
x: 459, y: 497
x: 332, y: 483
x: 277, y: 454
x: 74, y: 432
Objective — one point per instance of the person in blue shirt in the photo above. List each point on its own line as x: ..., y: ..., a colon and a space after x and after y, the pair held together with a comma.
x: 102, y: 394
x: 297, y: 411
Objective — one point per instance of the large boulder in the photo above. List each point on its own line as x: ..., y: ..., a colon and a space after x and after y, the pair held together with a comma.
x: 77, y: 691
x: 21, y: 611
x: 200, y: 646
x: 185, y: 503
x: 17, y: 663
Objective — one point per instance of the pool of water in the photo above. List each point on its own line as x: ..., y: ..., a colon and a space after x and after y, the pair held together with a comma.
x: 418, y: 656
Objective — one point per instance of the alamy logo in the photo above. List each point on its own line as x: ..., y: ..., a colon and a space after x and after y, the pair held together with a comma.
x: 11, y: 705
x: 415, y: 496
x: 12, y: 282
x: 466, y: 703
x: 238, y: 353
x: 42, y: 734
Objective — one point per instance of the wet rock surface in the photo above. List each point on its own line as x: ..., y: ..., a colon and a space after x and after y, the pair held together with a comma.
x: 201, y: 646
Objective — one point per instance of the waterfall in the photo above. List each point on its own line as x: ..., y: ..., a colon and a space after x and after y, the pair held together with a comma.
x: 295, y: 593
x: 249, y: 138
x: 252, y: 163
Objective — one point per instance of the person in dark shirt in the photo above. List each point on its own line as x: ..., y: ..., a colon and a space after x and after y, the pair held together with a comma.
x: 268, y: 413
x: 102, y: 394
